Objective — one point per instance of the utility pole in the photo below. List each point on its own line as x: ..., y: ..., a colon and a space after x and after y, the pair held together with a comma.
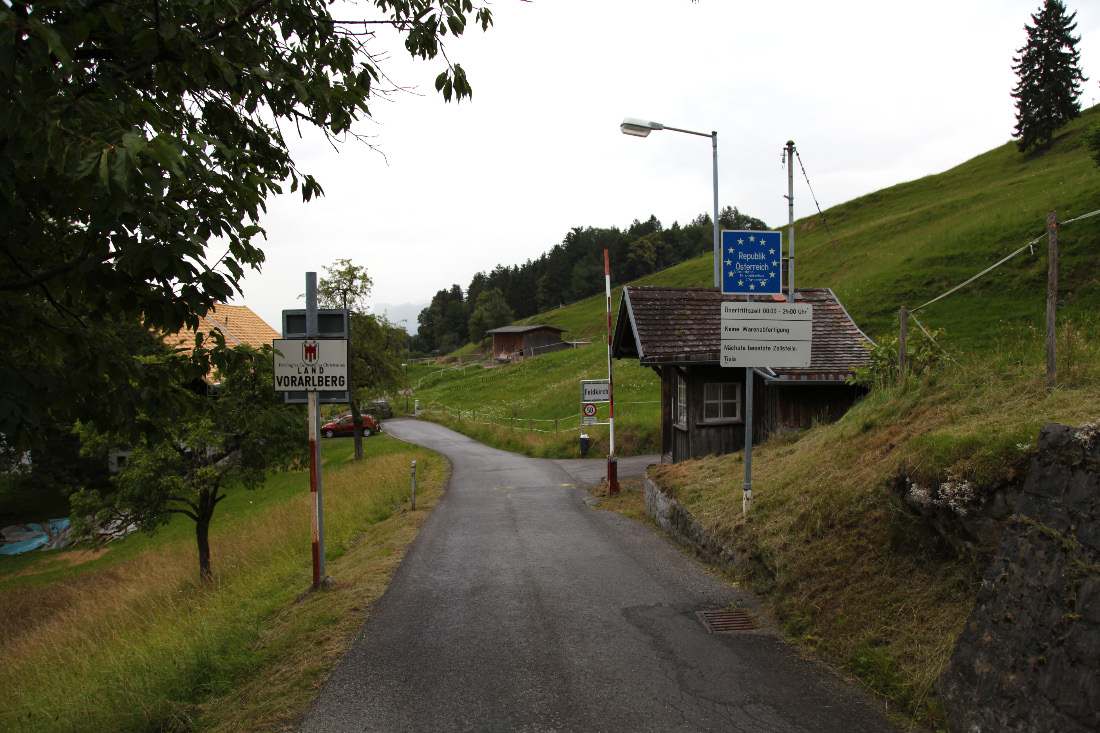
x: 790, y: 220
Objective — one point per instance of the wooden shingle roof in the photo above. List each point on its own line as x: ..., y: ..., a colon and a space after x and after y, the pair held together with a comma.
x: 658, y: 325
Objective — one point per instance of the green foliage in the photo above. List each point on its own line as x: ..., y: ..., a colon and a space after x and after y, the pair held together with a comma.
x: 344, y: 286
x: 1092, y: 141
x: 134, y: 135
x: 491, y: 311
x: 574, y: 269
x: 922, y: 354
x: 1049, y: 77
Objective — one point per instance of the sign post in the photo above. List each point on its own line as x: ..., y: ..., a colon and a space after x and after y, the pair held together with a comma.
x: 759, y: 334
x: 311, y: 366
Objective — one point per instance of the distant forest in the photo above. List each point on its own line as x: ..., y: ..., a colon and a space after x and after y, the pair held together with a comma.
x: 570, y: 271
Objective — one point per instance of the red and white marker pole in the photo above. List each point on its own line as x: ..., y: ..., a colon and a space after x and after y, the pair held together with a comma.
x: 612, y: 460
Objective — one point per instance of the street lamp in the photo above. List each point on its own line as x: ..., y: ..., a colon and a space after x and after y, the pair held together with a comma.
x: 642, y: 128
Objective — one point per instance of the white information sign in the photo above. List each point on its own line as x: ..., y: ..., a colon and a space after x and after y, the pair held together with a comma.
x: 766, y: 334
x: 593, y: 391
x: 310, y: 365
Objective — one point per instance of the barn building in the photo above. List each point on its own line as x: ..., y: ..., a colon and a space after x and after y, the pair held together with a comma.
x: 515, y: 343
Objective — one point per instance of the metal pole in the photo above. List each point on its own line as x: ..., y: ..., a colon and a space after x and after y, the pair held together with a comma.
x: 717, y: 235
x: 314, y: 417
x: 1052, y: 297
x: 612, y: 461
x: 790, y: 220
x: 746, y: 496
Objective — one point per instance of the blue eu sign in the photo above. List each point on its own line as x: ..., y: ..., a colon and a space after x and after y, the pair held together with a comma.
x: 752, y: 262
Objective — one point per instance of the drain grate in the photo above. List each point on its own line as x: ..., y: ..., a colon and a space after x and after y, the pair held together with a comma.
x: 728, y: 621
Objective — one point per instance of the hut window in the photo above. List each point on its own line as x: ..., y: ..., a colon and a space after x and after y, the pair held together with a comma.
x: 722, y: 401
x: 681, y: 405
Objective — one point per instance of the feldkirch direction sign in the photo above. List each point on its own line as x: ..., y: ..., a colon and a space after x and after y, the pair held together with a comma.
x: 595, y: 391
x: 752, y: 262
x: 766, y: 334
x: 310, y: 365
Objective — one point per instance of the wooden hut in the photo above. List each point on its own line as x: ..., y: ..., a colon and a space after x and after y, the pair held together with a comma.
x: 677, y: 332
x: 515, y: 343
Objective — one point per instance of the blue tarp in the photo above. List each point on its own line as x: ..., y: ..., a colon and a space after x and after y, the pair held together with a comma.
x: 20, y: 538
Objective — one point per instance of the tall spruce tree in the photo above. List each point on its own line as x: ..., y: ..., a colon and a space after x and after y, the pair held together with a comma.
x: 1049, y: 78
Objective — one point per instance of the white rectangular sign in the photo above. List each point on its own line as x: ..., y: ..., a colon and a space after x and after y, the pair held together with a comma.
x: 310, y: 365
x: 595, y: 391
x: 766, y: 334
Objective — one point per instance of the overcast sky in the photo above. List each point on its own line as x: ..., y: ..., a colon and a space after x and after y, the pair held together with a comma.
x: 872, y: 93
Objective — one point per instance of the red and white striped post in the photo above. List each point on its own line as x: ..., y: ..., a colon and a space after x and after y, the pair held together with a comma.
x: 313, y: 415
x: 612, y: 460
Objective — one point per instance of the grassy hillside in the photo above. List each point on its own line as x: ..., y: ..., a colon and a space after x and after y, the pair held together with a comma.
x: 907, y: 244
x: 127, y: 639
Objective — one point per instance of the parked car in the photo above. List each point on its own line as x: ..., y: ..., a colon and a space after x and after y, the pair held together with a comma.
x: 343, y: 426
x: 379, y: 408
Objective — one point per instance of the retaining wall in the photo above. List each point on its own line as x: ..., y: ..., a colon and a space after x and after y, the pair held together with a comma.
x: 1028, y: 658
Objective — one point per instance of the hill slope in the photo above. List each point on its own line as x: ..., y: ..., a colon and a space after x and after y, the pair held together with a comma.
x: 909, y: 243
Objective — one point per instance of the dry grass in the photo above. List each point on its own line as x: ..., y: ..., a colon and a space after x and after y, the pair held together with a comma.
x: 849, y: 571
x: 142, y: 645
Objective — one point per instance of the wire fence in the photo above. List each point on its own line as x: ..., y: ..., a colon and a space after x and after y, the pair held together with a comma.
x: 487, y: 416
x: 1030, y: 246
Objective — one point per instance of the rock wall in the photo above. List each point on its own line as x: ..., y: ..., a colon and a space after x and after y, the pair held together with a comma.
x: 671, y: 516
x: 1028, y: 658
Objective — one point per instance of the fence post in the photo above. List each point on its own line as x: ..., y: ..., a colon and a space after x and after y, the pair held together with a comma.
x: 1052, y: 297
x: 901, y: 345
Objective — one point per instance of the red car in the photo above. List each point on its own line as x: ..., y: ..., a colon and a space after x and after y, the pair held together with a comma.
x: 343, y: 426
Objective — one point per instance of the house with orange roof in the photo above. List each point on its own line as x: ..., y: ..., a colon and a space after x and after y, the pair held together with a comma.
x: 236, y: 323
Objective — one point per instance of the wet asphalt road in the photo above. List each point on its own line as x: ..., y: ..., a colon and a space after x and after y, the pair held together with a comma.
x: 518, y: 608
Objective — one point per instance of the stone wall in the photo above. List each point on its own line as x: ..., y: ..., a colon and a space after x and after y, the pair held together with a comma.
x: 1028, y: 658
x: 671, y: 516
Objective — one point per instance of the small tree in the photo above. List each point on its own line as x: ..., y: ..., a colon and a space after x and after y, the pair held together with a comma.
x: 226, y: 441
x: 347, y: 286
x: 1049, y: 78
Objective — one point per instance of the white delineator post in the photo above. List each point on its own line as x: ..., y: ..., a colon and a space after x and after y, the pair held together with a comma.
x: 612, y: 461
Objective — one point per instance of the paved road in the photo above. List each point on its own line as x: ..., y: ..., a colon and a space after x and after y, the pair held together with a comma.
x: 518, y: 608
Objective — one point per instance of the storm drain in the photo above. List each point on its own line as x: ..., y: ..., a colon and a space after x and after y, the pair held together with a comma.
x: 729, y: 621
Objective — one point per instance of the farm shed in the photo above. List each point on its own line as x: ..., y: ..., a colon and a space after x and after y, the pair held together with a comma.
x: 677, y: 332
x: 514, y: 343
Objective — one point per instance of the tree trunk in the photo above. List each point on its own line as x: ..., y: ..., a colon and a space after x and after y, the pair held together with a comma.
x: 202, y: 532
x: 357, y: 431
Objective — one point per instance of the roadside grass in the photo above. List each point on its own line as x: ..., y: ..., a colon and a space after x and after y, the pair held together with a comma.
x: 847, y: 569
x: 133, y: 641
